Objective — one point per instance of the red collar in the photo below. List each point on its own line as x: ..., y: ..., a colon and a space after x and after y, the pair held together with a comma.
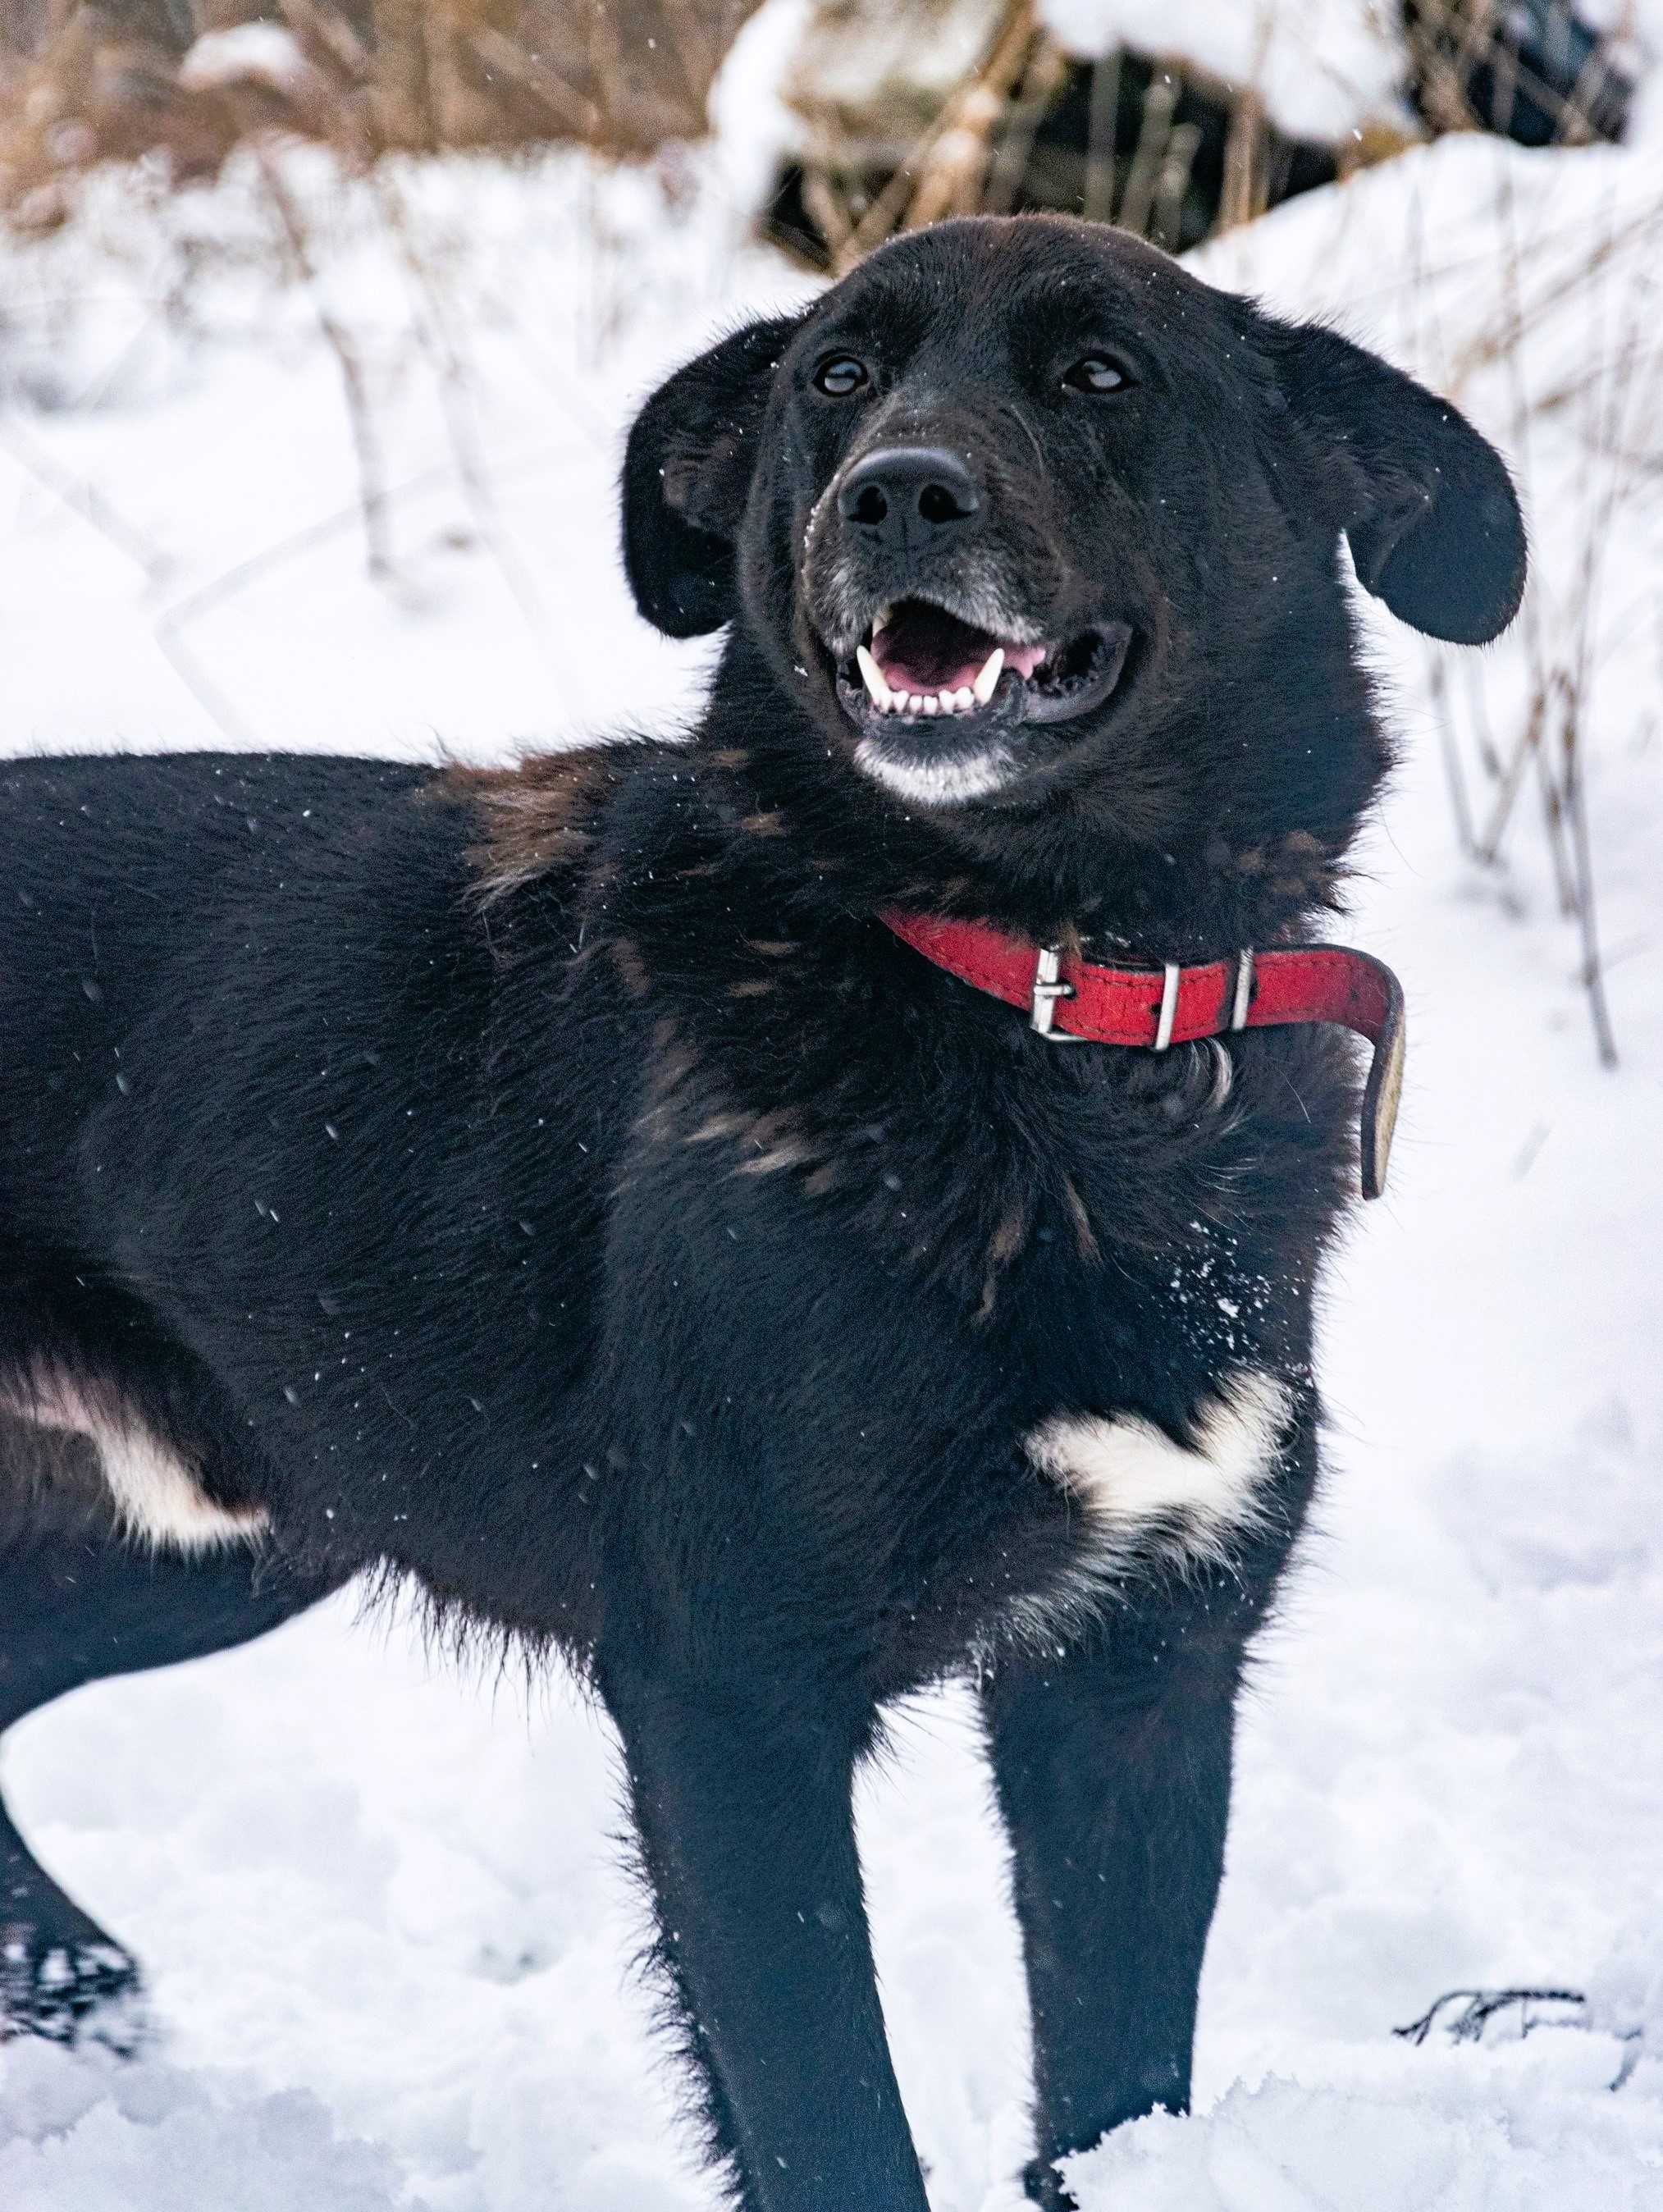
x: 1072, y: 1001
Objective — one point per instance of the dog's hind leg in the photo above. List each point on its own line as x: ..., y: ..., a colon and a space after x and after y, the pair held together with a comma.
x: 77, y: 1605
x: 1113, y: 1768
x: 747, y: 1833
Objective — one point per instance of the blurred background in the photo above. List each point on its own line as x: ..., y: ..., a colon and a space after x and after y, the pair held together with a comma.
x: 320, y: 323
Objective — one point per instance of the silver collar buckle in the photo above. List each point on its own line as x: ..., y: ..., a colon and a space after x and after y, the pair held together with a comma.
x: 1048, y: 989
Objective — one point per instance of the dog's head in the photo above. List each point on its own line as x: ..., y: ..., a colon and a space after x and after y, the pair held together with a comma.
x: 1022, y: 512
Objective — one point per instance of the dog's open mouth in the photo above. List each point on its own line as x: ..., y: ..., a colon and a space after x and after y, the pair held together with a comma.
x: 923, y: 664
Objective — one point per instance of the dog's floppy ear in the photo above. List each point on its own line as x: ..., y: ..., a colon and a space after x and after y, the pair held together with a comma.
x: 1426, y: 504
x: 687, y: 473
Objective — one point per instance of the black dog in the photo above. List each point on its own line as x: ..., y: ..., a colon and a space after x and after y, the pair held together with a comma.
x: 561, y: 1186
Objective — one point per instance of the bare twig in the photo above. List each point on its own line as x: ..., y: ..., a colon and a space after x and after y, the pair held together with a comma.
x: 1154, y: 130
x: 1437, y: 685
x: 354, y: 384
x: 1029, y: 106
x: 533, y: 74
x: 297, y: 543
x: 1464, y: 2015
x: 830, y: 211
x: 1479, y: 2008
x: 1100, y: 138
x: 456, y: 396
x: 998, y: 72
x: 1166, y: 217
x: 86, y: 500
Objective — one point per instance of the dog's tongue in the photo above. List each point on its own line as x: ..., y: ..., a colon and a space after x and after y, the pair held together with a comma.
x: 923, y: 649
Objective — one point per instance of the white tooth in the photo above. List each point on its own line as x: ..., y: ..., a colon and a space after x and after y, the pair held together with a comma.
x: 929, y: 704
x: 872, y: 677
x: 948, y: 703
x: 964, y: 698
x: 901, y: 702
x: 983, y: 689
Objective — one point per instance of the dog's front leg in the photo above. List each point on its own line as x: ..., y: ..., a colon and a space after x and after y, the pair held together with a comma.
x: 746, y: 1831
x: 1113, y: 1768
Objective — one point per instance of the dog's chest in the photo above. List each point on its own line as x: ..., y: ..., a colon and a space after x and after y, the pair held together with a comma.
x: 1148, y: 1413
x: 927, y: 1296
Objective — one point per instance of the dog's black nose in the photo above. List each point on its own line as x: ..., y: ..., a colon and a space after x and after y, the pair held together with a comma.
x: 908, y: 496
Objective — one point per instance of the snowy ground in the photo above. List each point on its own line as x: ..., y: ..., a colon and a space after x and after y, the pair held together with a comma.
x: 386, y: 1938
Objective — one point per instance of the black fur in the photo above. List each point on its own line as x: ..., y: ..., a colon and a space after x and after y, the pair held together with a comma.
x: 557, y: 1187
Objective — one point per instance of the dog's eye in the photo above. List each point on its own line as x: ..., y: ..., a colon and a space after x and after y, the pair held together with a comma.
x: 1097, y: 375
x: 840, y: 376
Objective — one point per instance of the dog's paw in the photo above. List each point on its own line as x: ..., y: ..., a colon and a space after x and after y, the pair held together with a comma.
x: 68, y: 1993
x: 1043, y: 2185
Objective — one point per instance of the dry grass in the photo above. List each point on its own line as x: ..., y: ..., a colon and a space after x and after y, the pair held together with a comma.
x: 82, y: 84
x: 1138, y: 166
x: 1586, y: 437
x: 1472, y: 71
x: 1164, y: 148
x: 1171, y: 152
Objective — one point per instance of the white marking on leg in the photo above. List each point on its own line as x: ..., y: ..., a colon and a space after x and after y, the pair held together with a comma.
x: 1147, y: 1502
x: 1128, y: 1474
x: 157, y: 1498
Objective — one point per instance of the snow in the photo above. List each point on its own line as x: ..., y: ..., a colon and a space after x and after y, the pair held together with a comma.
x: 1323, y: 68
x: 387, y: 1937
x: 755, y: 130
x: 1638, y: 22
x: 247, y: 53
x: 1279, y: 2148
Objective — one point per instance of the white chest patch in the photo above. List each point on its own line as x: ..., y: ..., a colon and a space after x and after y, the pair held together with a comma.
x: 1130, y: 1479
x: 156, y: 1496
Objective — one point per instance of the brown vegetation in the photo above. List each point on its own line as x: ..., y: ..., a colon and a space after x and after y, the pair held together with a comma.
x: 89, y: 81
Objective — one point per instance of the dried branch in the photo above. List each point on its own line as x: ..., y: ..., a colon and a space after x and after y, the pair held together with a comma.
x: 86, y: 500
x: 354, y: 384
x: 1479, y: 2008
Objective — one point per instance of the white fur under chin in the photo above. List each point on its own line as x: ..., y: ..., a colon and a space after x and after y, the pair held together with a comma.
x: 1128, y: 1475
x: 937, y: 783
x: 156, y: 1498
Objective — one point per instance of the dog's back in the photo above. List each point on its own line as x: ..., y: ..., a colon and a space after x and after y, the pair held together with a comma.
x: 126, y: 882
